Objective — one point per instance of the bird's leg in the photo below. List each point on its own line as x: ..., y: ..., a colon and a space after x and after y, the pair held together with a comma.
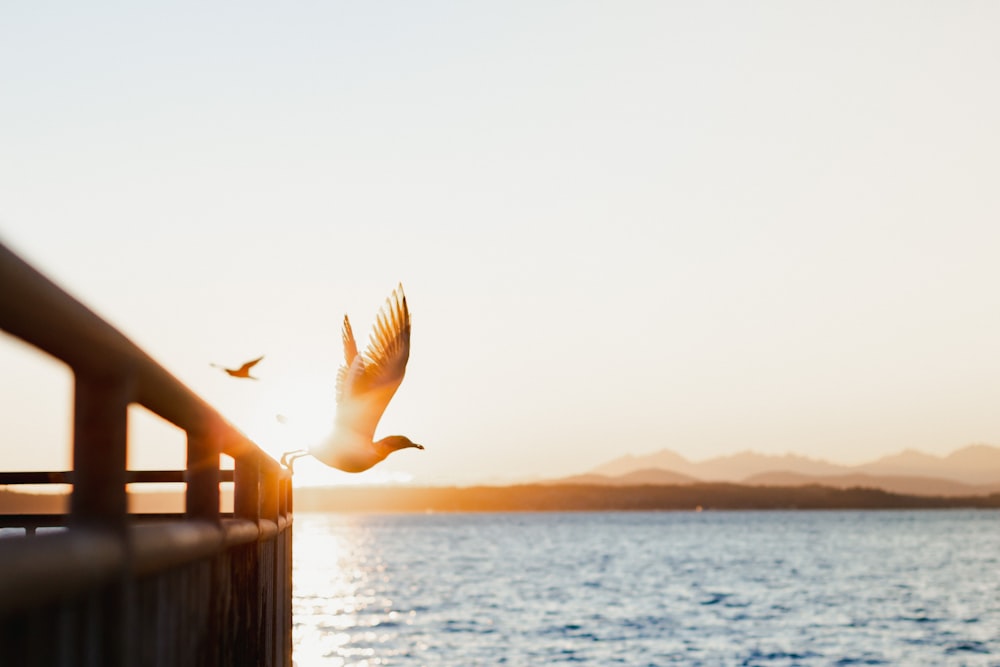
x: 288, y: 458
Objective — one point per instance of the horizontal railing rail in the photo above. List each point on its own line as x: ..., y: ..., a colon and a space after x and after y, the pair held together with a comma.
x: 114, y: 588
x: 40, y: 477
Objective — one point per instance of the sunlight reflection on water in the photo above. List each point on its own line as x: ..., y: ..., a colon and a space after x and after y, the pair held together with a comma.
x: 330, y: 568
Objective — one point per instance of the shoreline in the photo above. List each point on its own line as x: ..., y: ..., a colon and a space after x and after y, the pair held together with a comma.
x: 707, y: 496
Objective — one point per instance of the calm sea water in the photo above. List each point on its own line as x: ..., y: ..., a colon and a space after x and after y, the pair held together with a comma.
x: 670, y: 588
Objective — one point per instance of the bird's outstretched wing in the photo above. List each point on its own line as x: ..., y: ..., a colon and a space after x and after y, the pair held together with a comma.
x: 248, y: 365
x: 350, y: 354
x: 366, y: 383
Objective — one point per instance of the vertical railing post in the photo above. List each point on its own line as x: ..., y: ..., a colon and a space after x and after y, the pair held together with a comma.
x: 246, y: 566
x: 289, y: 582
x: 269, y: 496
x: 268, y: 555
x: 100, y: 431
x: 202, y: 477
x: 283, y: 496
x: 99, y: 500
x: 246, y: 488
x: 284, y: 572
x: 201, y: 503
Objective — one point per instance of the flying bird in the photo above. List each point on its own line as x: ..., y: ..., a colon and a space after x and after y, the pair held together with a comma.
x: 243, y: 371
x: 365, y: 385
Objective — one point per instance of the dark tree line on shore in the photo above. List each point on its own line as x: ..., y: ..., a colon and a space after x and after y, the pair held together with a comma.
x: 552, y: 498
x: 573, y: 497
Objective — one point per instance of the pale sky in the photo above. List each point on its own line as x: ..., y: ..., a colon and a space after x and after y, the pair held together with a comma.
x: 621, y: 226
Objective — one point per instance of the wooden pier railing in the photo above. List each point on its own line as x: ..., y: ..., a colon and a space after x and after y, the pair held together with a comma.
x: 111, y: 588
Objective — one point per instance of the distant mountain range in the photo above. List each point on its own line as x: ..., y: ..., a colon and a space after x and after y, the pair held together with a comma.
x: 971, y: 470
x: 662, y: 480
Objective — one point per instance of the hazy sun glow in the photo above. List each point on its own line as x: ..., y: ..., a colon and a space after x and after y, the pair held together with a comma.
x: 295, y: 413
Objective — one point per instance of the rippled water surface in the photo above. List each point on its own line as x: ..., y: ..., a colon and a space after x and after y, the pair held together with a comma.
x: 671, y: 588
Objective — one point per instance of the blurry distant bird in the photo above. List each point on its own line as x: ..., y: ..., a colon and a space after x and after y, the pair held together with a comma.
x: 365, y: 385
x: 243, y: 371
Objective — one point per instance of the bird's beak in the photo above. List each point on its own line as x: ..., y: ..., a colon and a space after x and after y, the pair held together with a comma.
x: 418, y: 446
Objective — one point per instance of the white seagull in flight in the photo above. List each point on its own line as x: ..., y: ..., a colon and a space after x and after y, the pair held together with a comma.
x: 365, y: 385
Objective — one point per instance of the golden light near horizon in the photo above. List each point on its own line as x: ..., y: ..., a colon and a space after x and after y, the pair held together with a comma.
x: 309, y: 472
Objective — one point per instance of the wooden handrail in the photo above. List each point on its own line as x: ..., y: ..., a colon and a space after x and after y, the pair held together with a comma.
x: 237, y: 565
x: 37, y: 311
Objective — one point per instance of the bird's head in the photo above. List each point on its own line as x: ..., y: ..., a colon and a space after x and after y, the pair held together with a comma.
x: 394, y: 443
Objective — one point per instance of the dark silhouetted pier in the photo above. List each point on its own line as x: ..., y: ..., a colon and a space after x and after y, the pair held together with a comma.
x: 113, y: 588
